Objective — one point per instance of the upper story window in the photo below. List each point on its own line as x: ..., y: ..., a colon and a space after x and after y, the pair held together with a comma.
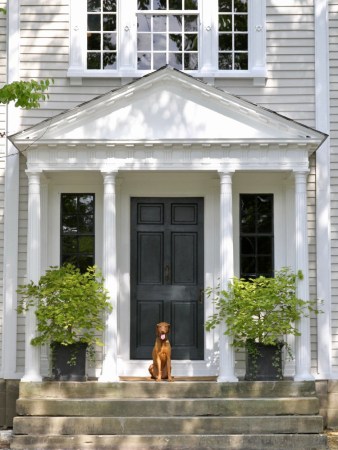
x: 206, y: 38
x: 233, y: 35
x: 101, y: 34
x: 167, y: 33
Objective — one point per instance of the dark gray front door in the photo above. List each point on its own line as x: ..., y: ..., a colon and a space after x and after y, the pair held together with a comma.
x: 167, y: 275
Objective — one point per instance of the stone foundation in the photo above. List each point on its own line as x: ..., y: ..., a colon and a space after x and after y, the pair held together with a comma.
x: 9, y: 393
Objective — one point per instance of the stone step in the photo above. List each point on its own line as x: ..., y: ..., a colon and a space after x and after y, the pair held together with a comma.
x: 178, y: 442
x: 167, y: 425
x: 166, y: 408
x: 177, y: 389
x: 180, y: 415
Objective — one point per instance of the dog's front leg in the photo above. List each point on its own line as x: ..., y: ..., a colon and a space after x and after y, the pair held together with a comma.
x: 159, y: 368
x: 170, y: 378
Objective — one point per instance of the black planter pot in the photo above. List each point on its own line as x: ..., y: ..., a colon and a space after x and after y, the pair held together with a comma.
x: 69, y: 362
x: 264, y: 362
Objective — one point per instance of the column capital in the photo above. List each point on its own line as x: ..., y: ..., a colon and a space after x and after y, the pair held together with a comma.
x: 34, y: 175
x: 301, y: 175
x: 106, y: 173
x: 32, y: 172
x: 225, y: 180
x: 225, y: 173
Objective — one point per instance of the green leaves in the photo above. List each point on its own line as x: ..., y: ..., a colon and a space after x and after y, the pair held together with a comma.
x: 262, y: 309
x: 69, y: 305
x: 26, y: 94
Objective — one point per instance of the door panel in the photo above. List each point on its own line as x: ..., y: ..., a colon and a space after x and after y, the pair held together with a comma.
x: 184, y: 263
x: 167, y: 274
x: 150, y: 258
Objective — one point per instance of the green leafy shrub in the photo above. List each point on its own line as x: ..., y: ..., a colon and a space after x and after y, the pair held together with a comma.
x: 262, y: 309
x: 70, y: 305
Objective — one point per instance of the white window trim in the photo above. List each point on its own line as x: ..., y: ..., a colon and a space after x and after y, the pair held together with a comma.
x: 208, y: 51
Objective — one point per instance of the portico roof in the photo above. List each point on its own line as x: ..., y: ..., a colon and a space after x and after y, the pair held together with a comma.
x: 168, y: 106
x: 129, y: 127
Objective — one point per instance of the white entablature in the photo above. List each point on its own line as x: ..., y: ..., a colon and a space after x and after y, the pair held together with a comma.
x: 168, y: 121
x: 168, y: 157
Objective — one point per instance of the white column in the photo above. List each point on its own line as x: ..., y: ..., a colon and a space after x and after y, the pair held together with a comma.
x: 32, y: 354
x: 226, y: 351
x: 323, y: 206
x: 109, y: 368
x: 303, y: 342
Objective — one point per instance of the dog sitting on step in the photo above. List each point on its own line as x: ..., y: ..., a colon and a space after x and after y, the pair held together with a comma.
x: 160, y: 369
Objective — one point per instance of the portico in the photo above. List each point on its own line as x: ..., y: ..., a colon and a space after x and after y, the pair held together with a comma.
x: 194, y: 141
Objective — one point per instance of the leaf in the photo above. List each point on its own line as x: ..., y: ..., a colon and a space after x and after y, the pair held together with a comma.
x: 25, y: 94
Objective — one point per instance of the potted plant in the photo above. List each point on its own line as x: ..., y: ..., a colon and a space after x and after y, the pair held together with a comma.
x: 259, y: 313
x: 69, y: 307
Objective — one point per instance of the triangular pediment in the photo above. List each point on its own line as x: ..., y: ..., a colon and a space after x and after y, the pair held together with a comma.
x: 168, y: 106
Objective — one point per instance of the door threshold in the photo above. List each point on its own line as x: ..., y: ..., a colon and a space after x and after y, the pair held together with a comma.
x: 210, y: 378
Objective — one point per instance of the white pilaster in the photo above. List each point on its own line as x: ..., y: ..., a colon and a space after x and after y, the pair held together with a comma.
x: 226, y: 351
x: 303, y: 342
x: 323, y: 207
x: 78, y: 29
x: 109, y: 368
x: 11, y: 216
x: 32, y: 354
x: 208, y: 50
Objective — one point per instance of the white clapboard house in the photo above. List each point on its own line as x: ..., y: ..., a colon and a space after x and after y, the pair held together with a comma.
x: 170, y: 124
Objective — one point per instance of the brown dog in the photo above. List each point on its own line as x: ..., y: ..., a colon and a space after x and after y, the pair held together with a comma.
x: 161, y: 367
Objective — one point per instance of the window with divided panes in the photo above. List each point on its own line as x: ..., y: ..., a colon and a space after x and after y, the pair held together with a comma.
x: 256, y: 235
x: 77, y: 230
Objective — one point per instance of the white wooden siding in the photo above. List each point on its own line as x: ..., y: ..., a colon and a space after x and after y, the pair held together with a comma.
x: 22, y: 259
x: 333, y: 40
x: 2, y: 157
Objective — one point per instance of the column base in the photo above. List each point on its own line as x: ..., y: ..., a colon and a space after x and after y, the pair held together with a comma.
x: 227, y: 379
x: 108, y: 379
x: 31, y: 379
x: 304, y: 377
x: 109, y: 371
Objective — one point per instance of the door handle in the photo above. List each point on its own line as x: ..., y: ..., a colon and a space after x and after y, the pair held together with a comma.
x: 201, y: 299
x: 167, y: 273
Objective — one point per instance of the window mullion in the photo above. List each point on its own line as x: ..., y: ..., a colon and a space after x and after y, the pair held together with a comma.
x: 78, y: 28
x: 167, y: 42
x: 257, y: 38
x: 127, y: 29
x: 101, y: 36
x: 208, y: 31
